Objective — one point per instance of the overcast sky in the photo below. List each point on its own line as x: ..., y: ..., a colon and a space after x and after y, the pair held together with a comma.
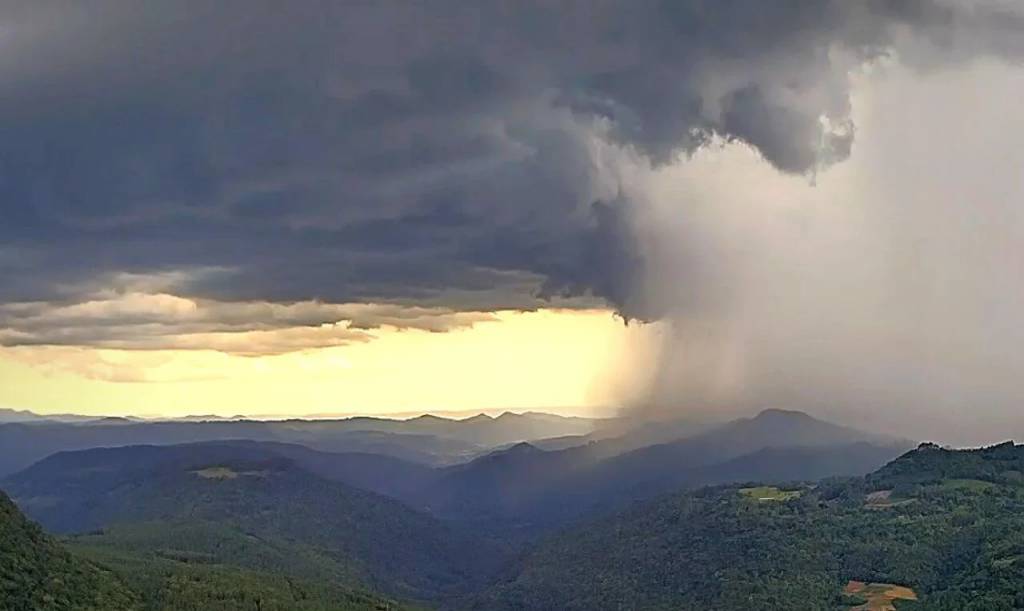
x: 814, y: 202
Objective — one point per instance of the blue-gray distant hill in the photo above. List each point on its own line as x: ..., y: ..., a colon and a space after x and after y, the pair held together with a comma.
x: 426, y: 439
x: 514, y: 494
x: 529, y: 489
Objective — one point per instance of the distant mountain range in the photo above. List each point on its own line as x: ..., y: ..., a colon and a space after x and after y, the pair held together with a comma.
x: 527, y: 488
x: 520, y: 490
x: 363, y: 512
x: 16, y: 415
x: 426, y: 439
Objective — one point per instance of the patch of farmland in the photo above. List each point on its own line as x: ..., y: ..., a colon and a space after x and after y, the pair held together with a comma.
x: 876, y: 596
x: 770, y: 493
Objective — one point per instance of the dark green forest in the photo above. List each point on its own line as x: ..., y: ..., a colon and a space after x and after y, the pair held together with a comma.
x: 38, y: 573
x: 949, y: 524
x: 224, y: 530
x: 117, y: 571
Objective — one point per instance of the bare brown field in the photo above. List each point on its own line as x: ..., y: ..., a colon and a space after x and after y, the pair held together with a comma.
x: 882, y: 499
x: 879, y: 596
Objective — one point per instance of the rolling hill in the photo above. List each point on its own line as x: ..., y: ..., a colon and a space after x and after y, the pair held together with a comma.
x: 239, y: 524
x: 113, y: 571
x: 513, y: 493
x: 207, y: 566
x: 363, y: 539
x: 531, y: 490
x: 938, y: 526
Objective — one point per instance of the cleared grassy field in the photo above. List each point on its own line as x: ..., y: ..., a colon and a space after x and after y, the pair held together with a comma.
x: 217, y: 473
x: 971, y: 485
x: 770, y: 493
x: 225, y: 473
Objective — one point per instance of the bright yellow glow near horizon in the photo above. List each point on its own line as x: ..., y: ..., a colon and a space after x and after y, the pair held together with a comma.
x: 562, y: 361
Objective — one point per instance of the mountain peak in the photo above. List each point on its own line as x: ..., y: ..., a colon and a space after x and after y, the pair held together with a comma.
x: 481, y: 417
x: 426, y: 418
x: 775, y: 413
x: 523, y: 448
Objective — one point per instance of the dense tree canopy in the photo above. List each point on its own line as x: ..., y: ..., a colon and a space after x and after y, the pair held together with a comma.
x: 945, y: 523
x: 37, y: 573
x: 940, y: 526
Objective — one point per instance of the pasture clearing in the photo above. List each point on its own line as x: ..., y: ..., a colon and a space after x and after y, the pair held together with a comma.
x: 877, y: 596
x: 770, y: 493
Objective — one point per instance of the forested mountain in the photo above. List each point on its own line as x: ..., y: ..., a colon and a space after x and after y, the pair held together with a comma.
x: 25, y: 444
x: 106, y: 573
x: 530, y: 489
x: 366, y: 539
x: 85, y: 469
x: 245, y: 524
x: 37, y: 573
x: 938, y: 525
x: 60, y: 487
x: 514, y: 493
x: 210, y: 566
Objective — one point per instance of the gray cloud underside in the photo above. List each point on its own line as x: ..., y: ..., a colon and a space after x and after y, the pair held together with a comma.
x: 141, y: 321
x: 462, y: 156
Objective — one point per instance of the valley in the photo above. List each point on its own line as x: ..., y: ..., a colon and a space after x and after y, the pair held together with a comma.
x: 773, y: 508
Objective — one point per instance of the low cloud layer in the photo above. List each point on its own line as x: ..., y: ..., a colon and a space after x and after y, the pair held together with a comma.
x: 156, y: 321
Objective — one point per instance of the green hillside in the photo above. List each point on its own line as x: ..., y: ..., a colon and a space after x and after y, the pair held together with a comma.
x: 166, y: 579
x: 37, y: 573
x: 945, y: 524
x: 253, y: 509
x: 203, y: 543
x: 162, y: 567
x: 218, y: 527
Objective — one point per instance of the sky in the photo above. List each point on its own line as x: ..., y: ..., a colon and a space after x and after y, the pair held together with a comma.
x: 259, y: 208
x: 549, y: 360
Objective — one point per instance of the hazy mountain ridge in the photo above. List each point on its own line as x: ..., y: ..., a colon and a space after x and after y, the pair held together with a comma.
x: 521, y: 487
x: 8, y: 415
x: 532, y: 488
x: 108, y: 467
x: 429, y: 440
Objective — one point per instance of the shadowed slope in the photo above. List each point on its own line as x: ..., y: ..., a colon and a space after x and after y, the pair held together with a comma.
x: 530, y: 489
x: 380, y: 542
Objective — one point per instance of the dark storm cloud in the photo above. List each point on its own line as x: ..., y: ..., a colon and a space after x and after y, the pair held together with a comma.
x: 456, y: 154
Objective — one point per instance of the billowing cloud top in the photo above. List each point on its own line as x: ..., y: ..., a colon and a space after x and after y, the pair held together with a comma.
x: 249, y: 165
